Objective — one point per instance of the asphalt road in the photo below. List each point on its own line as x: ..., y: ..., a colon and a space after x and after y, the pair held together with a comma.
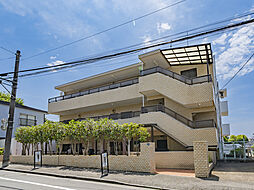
x: 19, y: 181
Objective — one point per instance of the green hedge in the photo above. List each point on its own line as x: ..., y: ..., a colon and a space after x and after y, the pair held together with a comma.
x: 1, y: 151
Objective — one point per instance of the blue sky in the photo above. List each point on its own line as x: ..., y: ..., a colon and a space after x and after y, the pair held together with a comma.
x: 35, y: 26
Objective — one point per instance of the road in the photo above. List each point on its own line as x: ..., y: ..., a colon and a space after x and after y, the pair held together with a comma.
x: 22, y: 181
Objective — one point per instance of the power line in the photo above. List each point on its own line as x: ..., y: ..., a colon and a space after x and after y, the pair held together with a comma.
x: 238, y: 71
x: 5, y: 49
x: 91, y: 60
x: 66, y: 67
x: 3, y: 59
x: 81, y: 66
x: 248, y: 13
x: 106, y: 30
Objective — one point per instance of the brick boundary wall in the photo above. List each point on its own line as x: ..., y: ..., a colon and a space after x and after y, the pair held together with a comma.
x: 145, y: 162
x: 201, y: 162
x: 174, y: 160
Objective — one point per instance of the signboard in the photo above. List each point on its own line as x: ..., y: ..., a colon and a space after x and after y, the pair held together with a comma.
x: 104, y: 164
x: 37, y: 157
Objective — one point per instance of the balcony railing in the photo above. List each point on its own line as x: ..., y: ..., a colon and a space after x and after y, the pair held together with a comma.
x: 182, y: 119
x: 190, y: 81
x: 116, y: 116
x: 156, y: 108
x: 94, y: 90
x: 27, y: 122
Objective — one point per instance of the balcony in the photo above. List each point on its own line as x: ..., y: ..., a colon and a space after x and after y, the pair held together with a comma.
x: 156, y: 108
x: 116, y: 116
x: 178, y: 127
x: 190, y: 81
x: 189, y: 92
x: 182, y: 119
x: 27, y: 122
x: 94, y: 90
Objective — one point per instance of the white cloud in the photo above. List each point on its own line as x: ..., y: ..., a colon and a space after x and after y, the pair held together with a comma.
x: 233, y: 50
x: 57, y: 62
x: 221, y: 40
x: 52, y: 57
x: 54, y: 63
x: 162, y: 27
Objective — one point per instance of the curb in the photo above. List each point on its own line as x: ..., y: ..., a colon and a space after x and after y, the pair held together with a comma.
x: 83, y: 178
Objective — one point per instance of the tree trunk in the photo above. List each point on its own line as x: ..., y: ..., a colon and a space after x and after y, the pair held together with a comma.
x: 23, y: 149
x: 60, y: 148
x: 28, y: 149
x: 124, y: 146
x: 32, y: 149
x: 42, y: 148
x: 129, y: 147
x: 73, y: 148
x: 102, y: 146
x: 116, y: 148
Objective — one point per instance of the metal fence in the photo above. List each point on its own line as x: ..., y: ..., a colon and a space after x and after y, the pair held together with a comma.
x: 190, y: 81
x: 238, y: 150
x: 94, y: 90
x: 184, y: 120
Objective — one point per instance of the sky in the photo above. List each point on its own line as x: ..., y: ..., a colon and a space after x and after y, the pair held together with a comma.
x: 35, y: 26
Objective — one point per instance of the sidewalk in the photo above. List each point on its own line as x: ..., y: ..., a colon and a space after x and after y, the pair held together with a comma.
x: 159, y: 181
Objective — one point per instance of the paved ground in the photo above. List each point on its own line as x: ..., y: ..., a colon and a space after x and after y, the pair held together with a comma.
x: 19, y: 181
x: 225, y: 176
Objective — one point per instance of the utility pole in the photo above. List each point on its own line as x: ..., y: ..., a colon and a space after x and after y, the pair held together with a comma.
x: 8, y: 137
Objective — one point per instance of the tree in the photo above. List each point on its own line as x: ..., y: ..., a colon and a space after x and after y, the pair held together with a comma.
x: 234, y: 138
x: 7, y: 98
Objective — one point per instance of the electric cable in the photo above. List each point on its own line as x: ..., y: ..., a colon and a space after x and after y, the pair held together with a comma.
x: 238, y: 71
x: 106, y: 30
x: 194, y: 35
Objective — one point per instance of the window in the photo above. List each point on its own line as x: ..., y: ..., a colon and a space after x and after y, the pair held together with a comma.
x: 191, y: 73
x: 27, y: 120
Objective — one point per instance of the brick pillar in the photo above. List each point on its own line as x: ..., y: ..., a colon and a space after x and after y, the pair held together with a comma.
x: 201, y: 162
x: 147, y: 152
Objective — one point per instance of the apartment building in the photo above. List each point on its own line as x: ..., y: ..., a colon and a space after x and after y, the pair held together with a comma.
x: 173, y: 92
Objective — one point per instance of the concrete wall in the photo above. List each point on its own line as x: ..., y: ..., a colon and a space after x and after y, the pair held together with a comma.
x: 178, y: 108
x: 115, y: 108
x: 201, y: 162
x: 178, y: 130
x: 198, y: 95
x: 201, y: 69
x: 103, y: 99
x: 174, y: 159
x: 145, y: 162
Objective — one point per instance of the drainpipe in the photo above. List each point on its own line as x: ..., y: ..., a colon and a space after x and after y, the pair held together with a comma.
x: 143, y: 96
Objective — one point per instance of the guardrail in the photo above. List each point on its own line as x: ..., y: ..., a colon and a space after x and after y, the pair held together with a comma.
x: 182, y: 119
x: 197, y: 80
x: 94, y: 90
x: 116, y: 116
x: 190, y: 81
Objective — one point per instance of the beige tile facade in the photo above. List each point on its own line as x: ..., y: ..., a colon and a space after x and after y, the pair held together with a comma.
x: 145, y: 162
x: 194, y: 102
x: 201, y: 161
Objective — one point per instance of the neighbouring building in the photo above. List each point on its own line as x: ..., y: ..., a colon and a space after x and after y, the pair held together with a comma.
x: 173, y: 92
x: 23, y: 116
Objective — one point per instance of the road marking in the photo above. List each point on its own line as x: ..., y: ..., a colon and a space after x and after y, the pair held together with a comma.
x: 34, y: 183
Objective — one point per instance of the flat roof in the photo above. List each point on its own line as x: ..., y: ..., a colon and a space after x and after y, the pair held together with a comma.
x: 23, y: 107
x: 187, y: 55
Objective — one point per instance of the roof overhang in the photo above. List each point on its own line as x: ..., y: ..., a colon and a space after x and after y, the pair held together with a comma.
x: 187, y: 55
